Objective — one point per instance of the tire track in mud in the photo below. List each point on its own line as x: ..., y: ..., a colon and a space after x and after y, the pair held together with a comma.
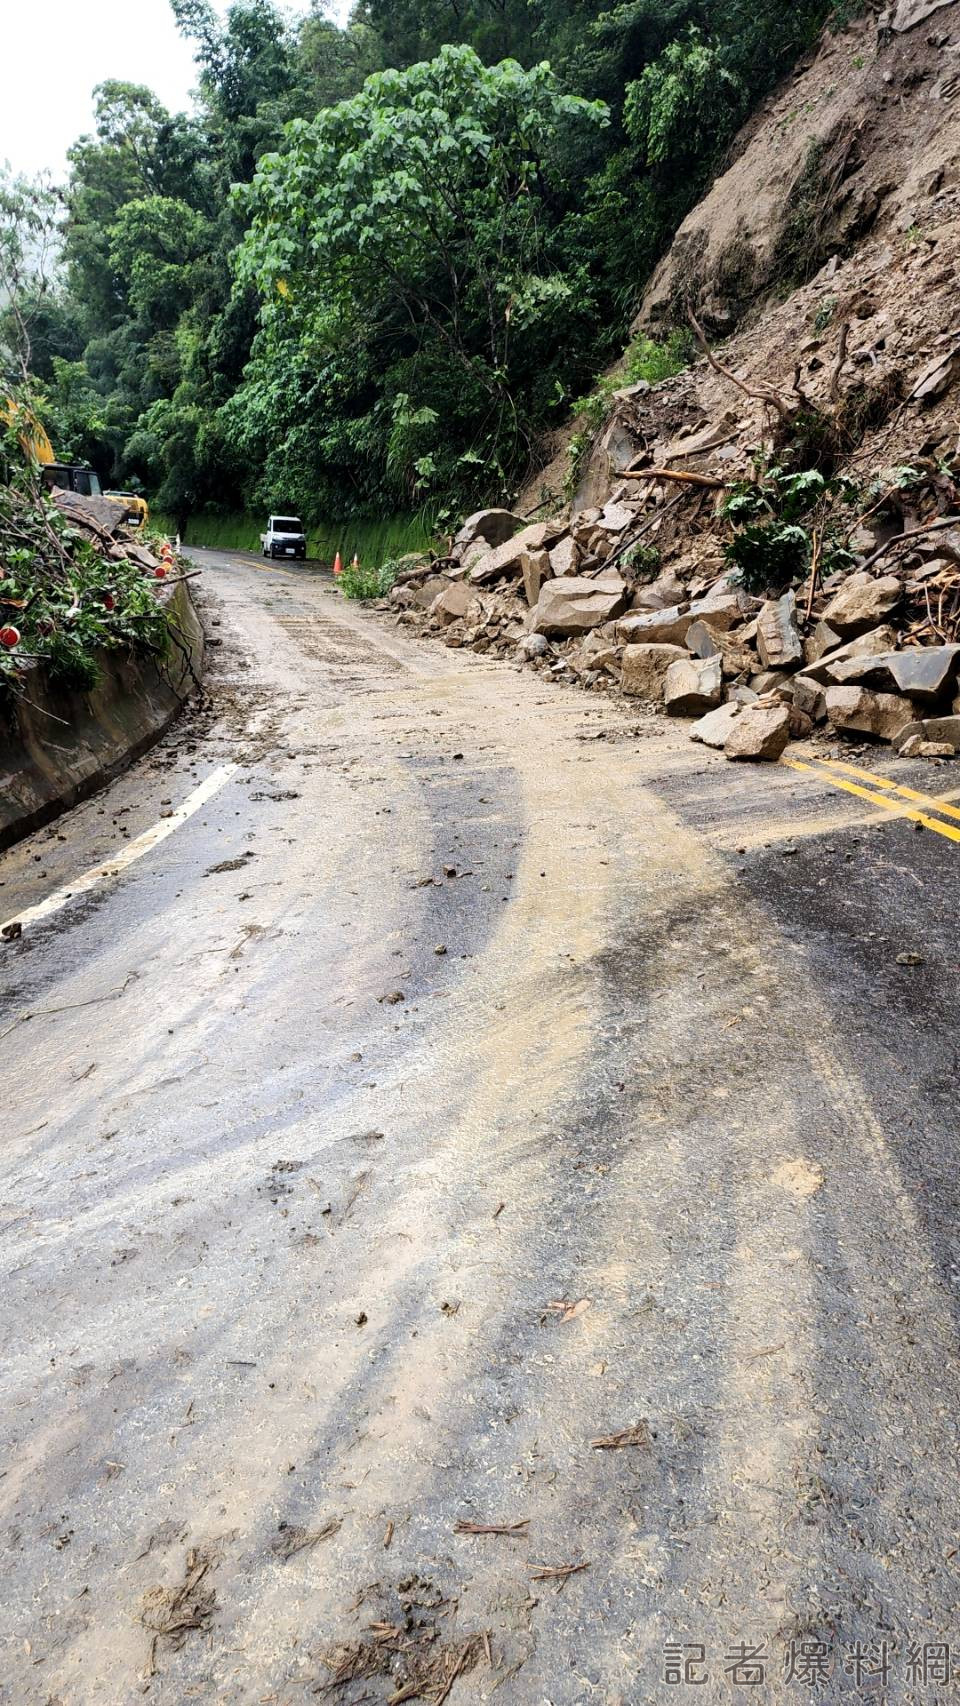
x: 622, y: 1064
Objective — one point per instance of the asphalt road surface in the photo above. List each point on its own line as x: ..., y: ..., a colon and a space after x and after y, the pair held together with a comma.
x: 459, y: 1100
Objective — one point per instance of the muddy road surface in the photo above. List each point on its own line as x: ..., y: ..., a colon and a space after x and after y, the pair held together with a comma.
x: 438, y: 1102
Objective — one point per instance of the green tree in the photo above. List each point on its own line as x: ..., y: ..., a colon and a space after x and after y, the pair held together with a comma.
x: 414, y: 219
x: 28, y: 245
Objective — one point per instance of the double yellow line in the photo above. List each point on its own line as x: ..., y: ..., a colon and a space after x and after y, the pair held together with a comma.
x: 889, y: 796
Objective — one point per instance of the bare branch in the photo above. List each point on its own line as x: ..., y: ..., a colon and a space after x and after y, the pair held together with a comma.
x: 763, y: 394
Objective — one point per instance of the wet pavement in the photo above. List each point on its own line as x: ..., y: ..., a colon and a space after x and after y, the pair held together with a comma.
x: 479, y: 1073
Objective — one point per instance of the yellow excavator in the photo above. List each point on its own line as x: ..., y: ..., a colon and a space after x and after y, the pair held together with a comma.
x: 137, y: 509
x: 68, y: 476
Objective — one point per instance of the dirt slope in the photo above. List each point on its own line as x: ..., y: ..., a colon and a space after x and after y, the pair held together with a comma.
x: 842, y: 202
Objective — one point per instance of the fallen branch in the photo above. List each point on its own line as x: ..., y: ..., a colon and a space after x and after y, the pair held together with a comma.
x: 649, y: 523
x: 556, y: 1572
x: 292, y: 1540
x: 467, y: 1656
x: 904, y: 538
x: 807, y: 402
x: 70, y: 1006
x: 684, y: 476
x: 814, y: 573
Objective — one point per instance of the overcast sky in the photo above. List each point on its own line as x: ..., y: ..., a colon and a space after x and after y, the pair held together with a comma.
x: 56, y: 51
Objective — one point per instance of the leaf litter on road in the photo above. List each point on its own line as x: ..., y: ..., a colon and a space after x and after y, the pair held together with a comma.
x: 414, y: 1655
x: 171, y: 1613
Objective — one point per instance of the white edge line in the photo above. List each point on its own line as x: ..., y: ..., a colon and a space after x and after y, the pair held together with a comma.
x: 128, y: 854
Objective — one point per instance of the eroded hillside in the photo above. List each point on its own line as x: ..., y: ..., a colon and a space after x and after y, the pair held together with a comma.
x: 803, y: 468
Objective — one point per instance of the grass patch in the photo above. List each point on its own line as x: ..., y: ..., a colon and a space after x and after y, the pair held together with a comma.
x: 374, y: 542
x: 645, y: 360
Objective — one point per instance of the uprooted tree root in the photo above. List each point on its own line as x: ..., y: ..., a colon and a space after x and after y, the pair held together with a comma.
x: 816, y: 434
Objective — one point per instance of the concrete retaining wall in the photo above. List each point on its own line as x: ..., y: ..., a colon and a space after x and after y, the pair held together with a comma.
x: 57, y: 746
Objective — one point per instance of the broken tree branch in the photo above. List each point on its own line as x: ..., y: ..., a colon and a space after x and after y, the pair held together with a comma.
x: 684, y: 476
x: 904, y: 538
x: 764, y: 394
x: 556, y: 1572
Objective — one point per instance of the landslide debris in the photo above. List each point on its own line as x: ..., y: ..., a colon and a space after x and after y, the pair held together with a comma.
x: 769, y: 542
x: 74, y: 581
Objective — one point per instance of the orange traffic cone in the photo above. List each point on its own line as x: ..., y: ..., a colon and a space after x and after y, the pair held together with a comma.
x: 356, y: 560
x: 337, y: 565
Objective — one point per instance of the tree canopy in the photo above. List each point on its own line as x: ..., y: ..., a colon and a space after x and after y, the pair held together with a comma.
x: 377, y: 262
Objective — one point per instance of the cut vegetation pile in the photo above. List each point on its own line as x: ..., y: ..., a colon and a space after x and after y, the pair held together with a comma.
x: 75, y: 582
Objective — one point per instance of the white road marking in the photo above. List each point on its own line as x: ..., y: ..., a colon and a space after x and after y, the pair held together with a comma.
x: 129, y: 854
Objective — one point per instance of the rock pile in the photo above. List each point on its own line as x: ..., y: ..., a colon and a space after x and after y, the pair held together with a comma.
x: 583, y: 600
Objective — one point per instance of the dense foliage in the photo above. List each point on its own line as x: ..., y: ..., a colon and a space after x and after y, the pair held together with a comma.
x: 63, y: 600
x: 446, y: 214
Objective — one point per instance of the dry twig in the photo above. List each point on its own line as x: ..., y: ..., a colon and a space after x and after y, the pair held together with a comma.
x: 913, y: 533
x: 639, y: 1435
x: 511, y: 1529
x: 556, y: 1572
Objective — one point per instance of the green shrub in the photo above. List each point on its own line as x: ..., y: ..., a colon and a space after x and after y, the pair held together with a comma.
x: 777, y: 516
x: 647, y: 359
x: 641, y: 562
x: 644, y: 359
x: 366, y: 581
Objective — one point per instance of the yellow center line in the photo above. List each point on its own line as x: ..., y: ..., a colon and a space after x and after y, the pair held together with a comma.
x: 892, y: 787
x: 876, y: 799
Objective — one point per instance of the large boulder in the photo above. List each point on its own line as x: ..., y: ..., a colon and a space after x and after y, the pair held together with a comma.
x: 655, y: 627
x: 425, y: 591
x: 583, y: 524
x: 645, y: 668
x: 872, y: 644
x: 716, y: 727
x: 778, y: 637
x: 535, y: 569
x: 668, y: 589
x: 492, y: 527
x: 574, y: 606
x: 692, y: 686
x: 722, y: 606
x: 824, y: 639
x: 809, y: 698
x: 909, y: 13
x: 507, y: 558
x: 856, y: 710
x: 565, y: 557
x: 759, y: 734
x: 940, y: 730
x: 706, y: 641
x: 861, y: 603
x: 616, y: 518
x: 924, y: 673
x: 453, y: 603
